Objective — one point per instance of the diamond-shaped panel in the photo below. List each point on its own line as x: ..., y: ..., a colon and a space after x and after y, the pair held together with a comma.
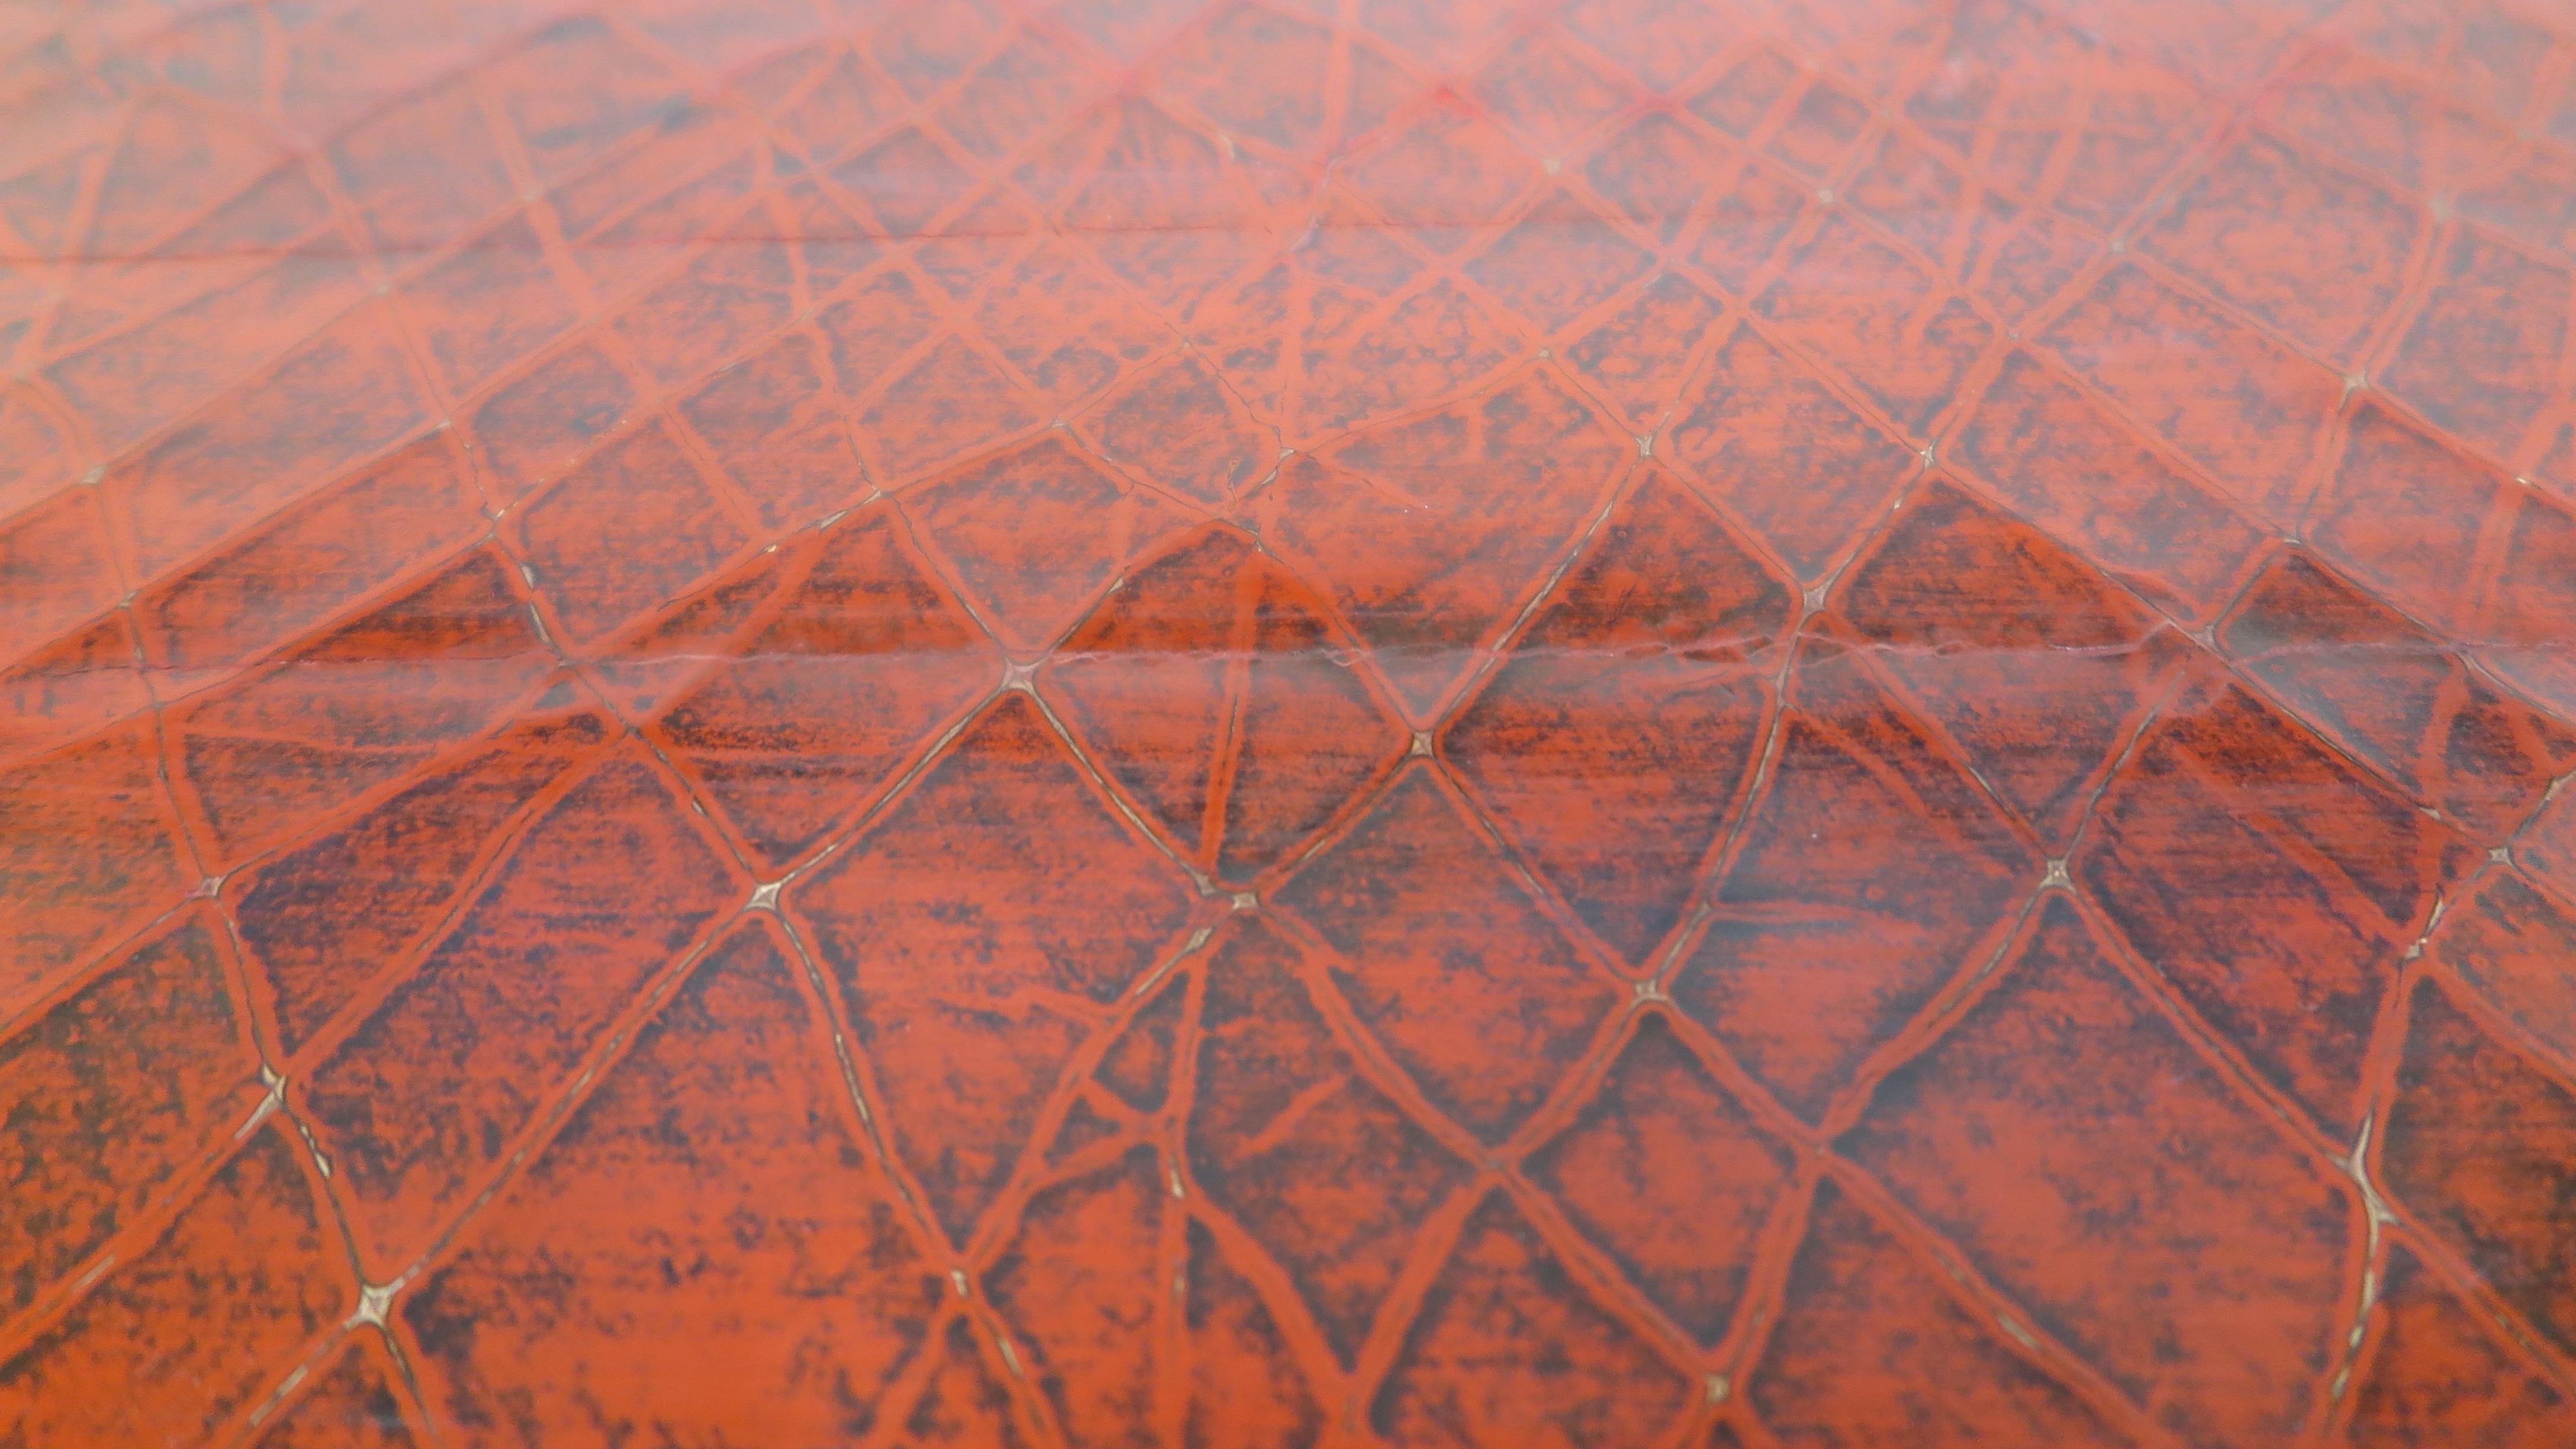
x: 1871, y: 871
x: 1446, y: 957
x: 2213, y: 1248
x: 975, y: 931
x: 2477, y: 1144
x: 1624, y: 725
x: 2034, y: 664
x: 2228, y: 808
x: 1429, y: 531
x: 1669, y: 1173
x: 1214, y: 687
x: 1876, y: 1348
x: 730, y: 1101
x: 1510, y: 1345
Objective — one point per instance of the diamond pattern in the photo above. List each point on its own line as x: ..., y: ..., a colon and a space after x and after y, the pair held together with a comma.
x: 1872, y: 870
x: 250, y: 1256
x: 1030, y: 582
x: 2388, y: 692
x: 2440, y: 1373
x: 1082, y: 1273
x: 2218, y: 1243
x: 2394, y: 482
x: 1755, y: 410
x: 1298, y: 1146
x: 1871, y: 313
x: 1445, y: 955
x: 2487, y: 1174
x: 824, y: 688
x: 1430, y: 531
x: 1659, y: 635
x: 410, y: 1166
x: 2217, y: 235
x: 93, y: 850
x: 1215, y: 642
x: 146, y: 1062
x: 1422, y: 722
x: 1509, y: 1346
x: 2507, y: 942
x: 1671, y: 1175
x: 571, y: 1256
x: 2046, y: 449
x: 2038, y: 668
x: 1874, y: 1347
x: 351, y: 709
x: 2226, y: 809
x: 2241, y: 406
x: 969, y: 1025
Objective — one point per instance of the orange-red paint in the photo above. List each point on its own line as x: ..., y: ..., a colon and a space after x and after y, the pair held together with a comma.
x: 1240, y: 724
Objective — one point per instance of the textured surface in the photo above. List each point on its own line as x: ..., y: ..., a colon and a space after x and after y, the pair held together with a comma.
x: 1643, y: 724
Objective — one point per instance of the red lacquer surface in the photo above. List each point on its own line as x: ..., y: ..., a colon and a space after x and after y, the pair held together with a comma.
x: 1643, y: 724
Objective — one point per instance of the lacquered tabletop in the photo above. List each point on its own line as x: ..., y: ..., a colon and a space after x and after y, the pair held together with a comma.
x: 1643, y: 724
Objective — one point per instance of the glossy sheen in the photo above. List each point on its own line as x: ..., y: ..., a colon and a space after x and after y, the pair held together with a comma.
x: 1635, y: 724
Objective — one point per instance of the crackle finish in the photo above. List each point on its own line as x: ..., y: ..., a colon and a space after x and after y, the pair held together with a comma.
x: 1242, y: 724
